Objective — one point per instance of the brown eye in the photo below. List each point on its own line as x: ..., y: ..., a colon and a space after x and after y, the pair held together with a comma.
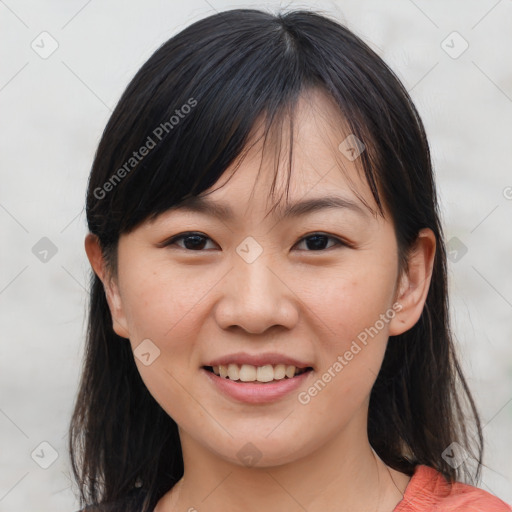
x: 318, y: 241
x: 191, y: 241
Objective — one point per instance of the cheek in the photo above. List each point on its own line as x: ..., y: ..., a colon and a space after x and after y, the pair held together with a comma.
x: 158, y: 311
x: 352, y: 298
x: 349, y: 308
x: 160, y: 303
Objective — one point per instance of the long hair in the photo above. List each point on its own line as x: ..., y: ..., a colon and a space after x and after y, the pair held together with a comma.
x: 192, y: 106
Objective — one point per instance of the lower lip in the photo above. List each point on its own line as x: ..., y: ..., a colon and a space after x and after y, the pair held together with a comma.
x: 253, y: 393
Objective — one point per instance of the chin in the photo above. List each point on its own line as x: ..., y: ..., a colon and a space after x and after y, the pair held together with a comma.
x: 260, y: 452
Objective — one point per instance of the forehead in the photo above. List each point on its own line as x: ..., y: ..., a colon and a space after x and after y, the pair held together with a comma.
x: 302, y: 156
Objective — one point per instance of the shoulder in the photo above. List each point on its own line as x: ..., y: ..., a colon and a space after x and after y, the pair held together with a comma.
x: 429, y: 491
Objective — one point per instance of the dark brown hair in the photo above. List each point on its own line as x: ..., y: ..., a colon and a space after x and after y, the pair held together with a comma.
x: 197, y: 98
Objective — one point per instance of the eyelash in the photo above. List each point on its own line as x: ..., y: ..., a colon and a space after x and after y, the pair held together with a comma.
x: 182, y: 236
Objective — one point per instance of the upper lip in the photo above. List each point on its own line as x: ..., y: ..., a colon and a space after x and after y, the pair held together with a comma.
x: 272, y: 358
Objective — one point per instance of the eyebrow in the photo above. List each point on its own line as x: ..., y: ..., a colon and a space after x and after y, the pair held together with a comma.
x: 224, y: 212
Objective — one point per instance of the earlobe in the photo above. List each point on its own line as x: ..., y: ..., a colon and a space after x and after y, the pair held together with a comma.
x: 97, y: 261
x: 415, y: 283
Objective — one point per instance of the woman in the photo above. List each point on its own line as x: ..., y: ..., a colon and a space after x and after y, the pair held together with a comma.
x: 252, y: 355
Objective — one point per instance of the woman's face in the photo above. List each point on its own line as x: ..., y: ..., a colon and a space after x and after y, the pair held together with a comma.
x: 317, y: 287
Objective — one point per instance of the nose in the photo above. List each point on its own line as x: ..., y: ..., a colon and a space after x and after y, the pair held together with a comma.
x: 257, y: 296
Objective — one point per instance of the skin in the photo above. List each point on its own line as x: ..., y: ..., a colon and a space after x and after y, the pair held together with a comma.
x: 196, y: 305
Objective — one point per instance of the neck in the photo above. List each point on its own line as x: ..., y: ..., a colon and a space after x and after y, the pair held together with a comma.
x: 340, y: 476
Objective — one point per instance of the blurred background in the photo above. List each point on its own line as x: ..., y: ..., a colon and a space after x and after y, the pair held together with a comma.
x: 64, y: 66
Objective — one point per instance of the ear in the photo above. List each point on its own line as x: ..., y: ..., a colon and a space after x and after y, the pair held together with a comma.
x: 414, y: 284
x: 96, y: 259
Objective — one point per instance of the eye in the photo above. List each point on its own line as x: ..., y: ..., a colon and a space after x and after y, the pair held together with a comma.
x: 191, y: 241
x: 317, y: 241
x: 197, y: 241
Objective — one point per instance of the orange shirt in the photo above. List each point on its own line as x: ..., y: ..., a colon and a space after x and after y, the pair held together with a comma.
x: 429, y: 491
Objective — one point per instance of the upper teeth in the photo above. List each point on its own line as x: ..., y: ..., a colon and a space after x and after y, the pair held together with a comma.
x: 250, y: 373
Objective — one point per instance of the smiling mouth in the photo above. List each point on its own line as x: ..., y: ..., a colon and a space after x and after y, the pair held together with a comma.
x: 247, y: 373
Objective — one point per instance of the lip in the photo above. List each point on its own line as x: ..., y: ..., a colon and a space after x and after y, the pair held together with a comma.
x: 272, y: 358
x: 256, y: 393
